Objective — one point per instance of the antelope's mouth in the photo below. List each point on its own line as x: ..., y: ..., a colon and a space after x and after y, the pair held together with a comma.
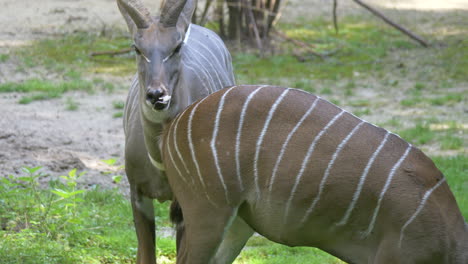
x: 158, y: 99
x: 159, y: 104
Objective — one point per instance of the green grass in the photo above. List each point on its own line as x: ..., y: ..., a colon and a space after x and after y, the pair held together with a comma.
x: 261, y: 251
x: 4, y: 57
x: 119, y: 105
x: 72, y: 51
x: 418, y: 135
x: 43, y: 89
x: 71, y: 104
x: 455, y: 169
x: 96, y: 226
x: 66, y: 224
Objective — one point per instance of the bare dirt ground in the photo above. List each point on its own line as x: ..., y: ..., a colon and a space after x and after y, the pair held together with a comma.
x: 44, y: 134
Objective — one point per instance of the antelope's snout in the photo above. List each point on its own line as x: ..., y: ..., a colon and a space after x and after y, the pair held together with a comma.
x: 158, y: 98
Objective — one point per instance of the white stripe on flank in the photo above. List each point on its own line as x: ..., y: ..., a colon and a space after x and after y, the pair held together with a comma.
x: 190, y: 141
x: 176, y: 145
x: 262, y: 135
x: 217, y: 41
x: 286, y: 142
x: 192, y: 150
x: 239, y: 132
x: 419, y: 209
x: 201, y: 65
x: 213, y: 141
x: 306, y: 161
x: 327, y: 171
x: 214, y: 58
x: 384, y: 190
x: 362, y: 179
x: 200, y: 55
x: 169, y: 150
x: 195, y: 72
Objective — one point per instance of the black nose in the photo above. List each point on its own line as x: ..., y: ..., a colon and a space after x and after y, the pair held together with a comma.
x: 154, y: 95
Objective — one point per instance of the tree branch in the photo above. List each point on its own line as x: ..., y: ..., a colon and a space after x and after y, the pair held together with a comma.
x: 393, y: 24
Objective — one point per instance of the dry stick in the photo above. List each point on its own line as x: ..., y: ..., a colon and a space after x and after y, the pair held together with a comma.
x: 393, y: 24
x: 307, y: 46
x: 111, y: 52
x: 205, y: 12
x: 254, y: 24
x: 335, y: 20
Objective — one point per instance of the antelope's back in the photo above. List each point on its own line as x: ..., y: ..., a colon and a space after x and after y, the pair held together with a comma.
x: 285, y: 148
x: 297, y: 162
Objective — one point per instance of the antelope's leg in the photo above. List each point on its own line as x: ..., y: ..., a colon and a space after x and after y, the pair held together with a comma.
x: 143, y: 217
x: 234, y: 240
x: 205, y: 228
x: 387, y: 252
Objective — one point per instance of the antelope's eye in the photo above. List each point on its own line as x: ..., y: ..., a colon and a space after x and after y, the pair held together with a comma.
x: 135, y: 48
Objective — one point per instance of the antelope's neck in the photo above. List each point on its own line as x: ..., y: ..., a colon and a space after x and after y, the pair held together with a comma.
x: 152, y: 132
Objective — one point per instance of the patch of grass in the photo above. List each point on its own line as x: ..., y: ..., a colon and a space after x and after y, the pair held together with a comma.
x: 358, y: 50
x: 118, y: 104
x: 447, y: 99
x: 45, y: 89
x: 451, y: 142
x: 360, y: 103
x: 71, y: 104
x: 67, y: 224
x: 261, y: 251
x: 326, y: 91
x: 455, y: 169
x: 410, y: 102
x: 362, y: 112
x: 452, y: 59
x: 4, y: 57
x: 72, y: 51
x: 418, y: 135
x: 117, y: 114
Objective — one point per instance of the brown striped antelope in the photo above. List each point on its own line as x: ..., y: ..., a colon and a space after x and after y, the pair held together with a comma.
x: 303, y: 172
x: 178, y: 63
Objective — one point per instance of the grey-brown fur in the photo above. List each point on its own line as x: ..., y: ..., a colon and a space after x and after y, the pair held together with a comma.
x: 418, y: 220
x: 177, y: 64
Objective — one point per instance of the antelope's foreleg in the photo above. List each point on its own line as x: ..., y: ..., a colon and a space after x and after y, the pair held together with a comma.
x: 204, y: 230
x: 143, y: 216
x: 234, y: 240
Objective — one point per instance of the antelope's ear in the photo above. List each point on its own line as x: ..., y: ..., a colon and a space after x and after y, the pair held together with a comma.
x: 135, y: 14
x: 185, y: 17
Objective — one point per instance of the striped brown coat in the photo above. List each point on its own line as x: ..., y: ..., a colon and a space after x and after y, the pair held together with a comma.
x: 303, y: 172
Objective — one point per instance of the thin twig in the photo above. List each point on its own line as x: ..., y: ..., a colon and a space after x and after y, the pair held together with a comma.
x: 302, y: 44
x: 393, y: 24
x: 335, y: 18
x: 254, y: 25
x: 110, y: 52
x: 205, y: 12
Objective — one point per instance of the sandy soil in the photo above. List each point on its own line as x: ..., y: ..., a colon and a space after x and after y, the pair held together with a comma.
x: 45, y: 134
